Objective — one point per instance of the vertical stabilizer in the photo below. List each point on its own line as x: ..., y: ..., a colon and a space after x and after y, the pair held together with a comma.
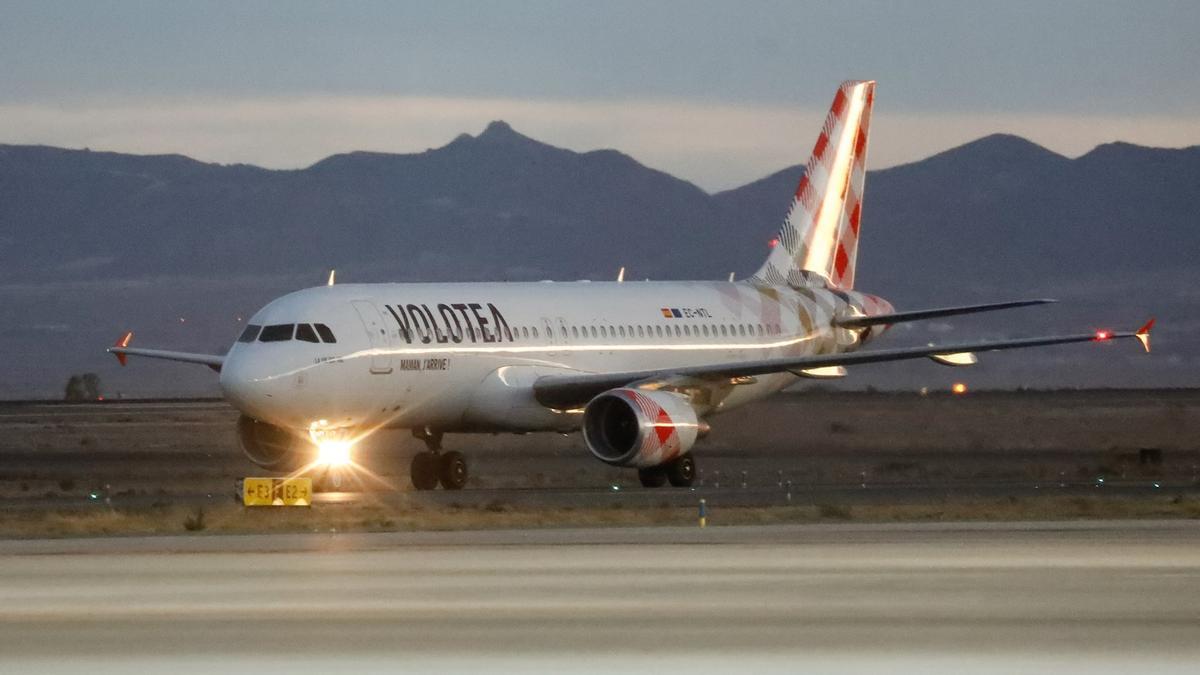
x: 820, y: 235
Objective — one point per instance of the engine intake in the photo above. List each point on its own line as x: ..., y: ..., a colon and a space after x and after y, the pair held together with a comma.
x: 271, y: 447
x: 631, y: 427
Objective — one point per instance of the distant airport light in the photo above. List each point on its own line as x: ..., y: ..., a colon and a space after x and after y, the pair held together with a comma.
x: 959, y: 388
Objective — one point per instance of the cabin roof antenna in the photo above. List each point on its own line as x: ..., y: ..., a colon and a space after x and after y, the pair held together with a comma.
x: 621, y: 275
x: 332, y: 274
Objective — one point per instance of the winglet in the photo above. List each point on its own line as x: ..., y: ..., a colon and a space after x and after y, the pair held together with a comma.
x: 122, y: 343
x: 1143, y: 335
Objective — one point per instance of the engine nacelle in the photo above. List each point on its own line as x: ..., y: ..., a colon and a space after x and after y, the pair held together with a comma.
x: 271, y: 447
x: 632, y: 427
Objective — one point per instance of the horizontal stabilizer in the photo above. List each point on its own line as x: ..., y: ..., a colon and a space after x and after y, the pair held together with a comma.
x: 921, y: 314
x: 956, y: 359
x: 823, y: 373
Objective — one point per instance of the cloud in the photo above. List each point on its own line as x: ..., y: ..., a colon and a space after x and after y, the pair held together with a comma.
x: 718, y: 146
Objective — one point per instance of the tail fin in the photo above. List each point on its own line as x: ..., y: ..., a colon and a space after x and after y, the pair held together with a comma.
x: 820, y: 234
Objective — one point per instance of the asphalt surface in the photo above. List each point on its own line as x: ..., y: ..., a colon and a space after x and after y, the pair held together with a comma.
x: 1049, y: 597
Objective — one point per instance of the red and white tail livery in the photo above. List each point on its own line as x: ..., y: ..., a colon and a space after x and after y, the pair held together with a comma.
x: 820, y: 234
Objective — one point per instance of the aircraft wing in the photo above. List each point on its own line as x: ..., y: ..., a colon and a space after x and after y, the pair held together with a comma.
x: 571, y: 391
x: 122, y: 350
x: 920, y: 314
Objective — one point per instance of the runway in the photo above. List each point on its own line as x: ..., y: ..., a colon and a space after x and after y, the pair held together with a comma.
x: 1075, y: 597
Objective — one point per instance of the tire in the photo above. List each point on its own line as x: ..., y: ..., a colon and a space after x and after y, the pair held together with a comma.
x: 682, y: 471
x: 652, y: 477
x: 424, y: 471
x: 453, y: 470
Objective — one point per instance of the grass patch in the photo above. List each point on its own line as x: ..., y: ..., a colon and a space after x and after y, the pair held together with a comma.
x: 194, y: 522
x: 834, y: 512
x: 231, y: 518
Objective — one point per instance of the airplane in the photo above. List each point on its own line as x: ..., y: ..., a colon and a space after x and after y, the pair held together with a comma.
x: 639, y: 367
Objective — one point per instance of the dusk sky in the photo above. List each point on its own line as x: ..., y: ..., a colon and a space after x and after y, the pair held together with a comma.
x: 717, y: 93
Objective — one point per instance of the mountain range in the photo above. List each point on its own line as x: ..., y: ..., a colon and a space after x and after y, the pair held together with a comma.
x: 92, y: 243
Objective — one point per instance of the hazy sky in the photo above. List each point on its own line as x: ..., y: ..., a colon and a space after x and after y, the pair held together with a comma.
x: 719, y: 93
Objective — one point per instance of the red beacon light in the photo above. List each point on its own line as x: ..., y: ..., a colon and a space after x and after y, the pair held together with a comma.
x: 1103, y: 334
x: 773, y: 243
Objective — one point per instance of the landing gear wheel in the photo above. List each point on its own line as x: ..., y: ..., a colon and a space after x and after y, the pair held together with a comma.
x: 453, y: 472
x: 652, y: 477
x: 682, y: 471
x: 424, y: 471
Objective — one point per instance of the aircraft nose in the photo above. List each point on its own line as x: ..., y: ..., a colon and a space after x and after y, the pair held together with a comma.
x: 246, y: 390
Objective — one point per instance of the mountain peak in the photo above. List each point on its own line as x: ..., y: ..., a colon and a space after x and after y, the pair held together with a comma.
x: 1007, y: 146
x: 992, y: 152
x: 499, y: 130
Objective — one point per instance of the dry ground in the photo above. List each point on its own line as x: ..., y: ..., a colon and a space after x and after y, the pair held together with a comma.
x: 60, y: 455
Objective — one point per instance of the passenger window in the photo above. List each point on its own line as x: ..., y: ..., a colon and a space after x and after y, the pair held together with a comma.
x: 677, y: 331
x: 325, y: 333
x: 306, y: 333
x: 250, y: 334
x: 641, y: 333
x: 280, y: 332
x: 621, y: 330
x: 535, y: 333
x: 658, y: 331
x: 724, y: 333
x: 593, y: 331
x: 525, y: 332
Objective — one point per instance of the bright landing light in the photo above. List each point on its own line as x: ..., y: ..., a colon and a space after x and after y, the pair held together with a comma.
x: 334, y: 453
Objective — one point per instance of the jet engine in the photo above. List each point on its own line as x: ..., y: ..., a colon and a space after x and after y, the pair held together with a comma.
x: 271, y: 447
x: 632, y: 427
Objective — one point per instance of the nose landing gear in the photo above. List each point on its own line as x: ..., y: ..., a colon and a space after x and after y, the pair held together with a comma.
x: 434, y: 466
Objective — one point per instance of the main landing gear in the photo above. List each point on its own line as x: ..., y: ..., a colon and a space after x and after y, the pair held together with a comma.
x: 434, y: 466
x: 680, y: 472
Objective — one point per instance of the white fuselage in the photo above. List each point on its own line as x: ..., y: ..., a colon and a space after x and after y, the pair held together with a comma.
x: 464, y: 356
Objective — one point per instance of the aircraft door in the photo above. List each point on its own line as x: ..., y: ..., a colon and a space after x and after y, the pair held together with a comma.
x: 381, y: 359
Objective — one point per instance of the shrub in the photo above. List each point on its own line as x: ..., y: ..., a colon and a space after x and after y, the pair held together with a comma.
x: 195, y: 521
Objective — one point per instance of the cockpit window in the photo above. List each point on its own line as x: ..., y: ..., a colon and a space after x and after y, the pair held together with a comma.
x: 278, y: 333
x: 305, y: 332
x: 250, y: 334
x: 325, y: 333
